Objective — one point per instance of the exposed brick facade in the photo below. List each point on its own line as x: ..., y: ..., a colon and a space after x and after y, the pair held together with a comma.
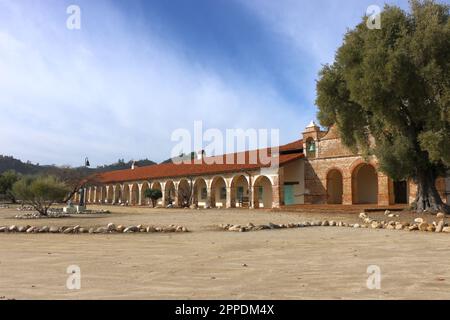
x: 330, y: 154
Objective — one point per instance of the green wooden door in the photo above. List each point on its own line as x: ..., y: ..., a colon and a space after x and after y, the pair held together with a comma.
x: 288, y: 194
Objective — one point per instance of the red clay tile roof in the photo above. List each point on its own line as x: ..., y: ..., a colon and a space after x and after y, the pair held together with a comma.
x: 196, y: 168
x: 295, y: 145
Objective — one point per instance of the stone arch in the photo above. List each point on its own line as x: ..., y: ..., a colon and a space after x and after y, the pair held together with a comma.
x: 157, y: 186
x: 185, y: 193
x: 364, y: 184
x: 335, y: 186
x: 144, y: 201
x: 218, y: 192
x: 170, y: 193
x: 117, y: 194
x: 134, y: 194
x: 102, y: 198
x: 200, y: 195
x: 262, y: 192
x: 239, y: 191
x: 126, y: 194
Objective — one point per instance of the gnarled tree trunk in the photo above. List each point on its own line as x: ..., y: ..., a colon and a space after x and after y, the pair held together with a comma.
x: 427, y: 197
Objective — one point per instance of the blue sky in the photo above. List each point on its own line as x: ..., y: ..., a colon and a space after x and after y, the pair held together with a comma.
x: 138, y: 70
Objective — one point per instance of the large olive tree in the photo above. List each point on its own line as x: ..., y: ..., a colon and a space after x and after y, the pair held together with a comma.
x: 388, y: 93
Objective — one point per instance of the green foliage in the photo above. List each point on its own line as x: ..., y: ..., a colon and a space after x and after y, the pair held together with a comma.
x: 153, y: 194
x: 40, y: 191
x: 7, y: 180
x: 393, y: 85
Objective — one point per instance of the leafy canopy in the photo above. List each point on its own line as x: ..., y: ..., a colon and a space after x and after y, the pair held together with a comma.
x: 388, y: 91
x: 7, y: 180
x: 153, y: 194
x: 40, y: 192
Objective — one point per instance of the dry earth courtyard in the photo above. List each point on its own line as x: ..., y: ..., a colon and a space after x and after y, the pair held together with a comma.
x: 208, y: 263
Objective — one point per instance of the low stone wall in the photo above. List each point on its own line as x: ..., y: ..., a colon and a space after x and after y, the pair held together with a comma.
x: 418, y: 225
x: 111, y: 228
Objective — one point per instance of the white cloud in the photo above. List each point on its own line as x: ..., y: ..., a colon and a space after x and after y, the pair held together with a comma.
x: 65, y: 95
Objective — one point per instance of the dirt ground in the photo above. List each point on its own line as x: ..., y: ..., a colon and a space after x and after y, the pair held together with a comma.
x: 304, y: 263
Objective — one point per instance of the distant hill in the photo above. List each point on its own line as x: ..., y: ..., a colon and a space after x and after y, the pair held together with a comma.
x: 181, y: 157
x: 10, y: 163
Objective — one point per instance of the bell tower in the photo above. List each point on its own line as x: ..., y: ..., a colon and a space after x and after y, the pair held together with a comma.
x: 311, y: 137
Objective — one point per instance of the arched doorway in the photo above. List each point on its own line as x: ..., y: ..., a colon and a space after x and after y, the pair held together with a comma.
x: 134, y: 195
x: 239, y: 192
x: 365, y: 185
x: 157, y: 186
x: 102, y: 198
x: 218, y: 193
x: 334, y: 187
x: 185, y: 193
x: 400, y: 192
x: 117, y: 194
x: 170, y: 193
x: 145, y: 201
x: 200, y: 193
x: 262, y: 193
x: 126, y: 194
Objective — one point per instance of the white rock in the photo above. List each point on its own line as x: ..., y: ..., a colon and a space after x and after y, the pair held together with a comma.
x: 101, y: 230
x: 440, y: 215
x: 375, y: 225
x: 44, y: 229
x: 446, y: 229
x: 439, y: 226
x: 418, y: 220
x: 22, y: 229
x: 68, y: 230
x: 31, y: 229
x: 236, y: 227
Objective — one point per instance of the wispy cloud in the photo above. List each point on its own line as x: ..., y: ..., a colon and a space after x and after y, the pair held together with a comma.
x: 118, y: 87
